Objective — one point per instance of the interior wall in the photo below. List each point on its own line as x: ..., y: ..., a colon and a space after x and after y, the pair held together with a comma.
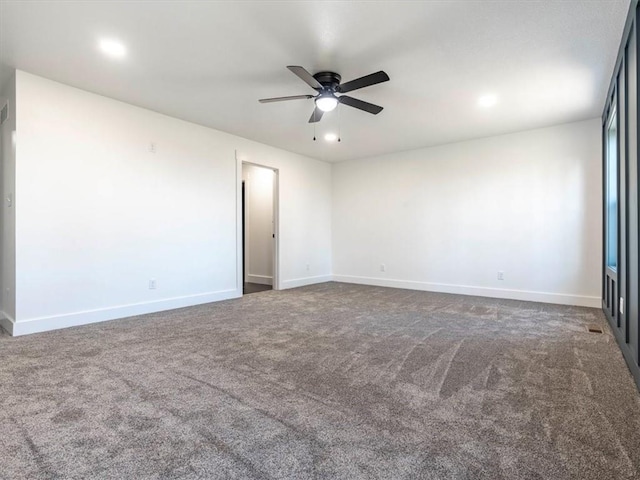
x: 450, y: 218
x: 259, y: 227
x: 8, y: 145
x: 115, y: 199
x: 303, y: 229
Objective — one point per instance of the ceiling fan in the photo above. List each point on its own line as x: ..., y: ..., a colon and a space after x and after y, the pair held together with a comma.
x: 327, y: 84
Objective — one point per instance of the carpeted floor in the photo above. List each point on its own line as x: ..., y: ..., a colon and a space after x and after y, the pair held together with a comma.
x: 331, y: 381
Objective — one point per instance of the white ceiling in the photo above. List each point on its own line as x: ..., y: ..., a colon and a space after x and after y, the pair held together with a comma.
x: 209, y: 62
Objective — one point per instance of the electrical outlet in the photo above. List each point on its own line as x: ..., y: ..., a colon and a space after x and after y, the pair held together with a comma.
x: 152, y: 147
x: 153, y: 284
x: 383, y: 267
x: 500, y: 275
x: 308, y: 267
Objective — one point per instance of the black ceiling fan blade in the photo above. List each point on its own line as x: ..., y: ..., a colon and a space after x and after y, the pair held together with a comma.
x: 305, y: 76
x: 316, y: 115
x: 359, y: 104
x: 365, y: 81
x: 282, y: 99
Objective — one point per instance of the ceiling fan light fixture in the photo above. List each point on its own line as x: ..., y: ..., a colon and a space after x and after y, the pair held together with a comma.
x: 326, y: 103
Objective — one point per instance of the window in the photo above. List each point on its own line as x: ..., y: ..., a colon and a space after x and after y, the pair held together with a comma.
x: 611, y: 195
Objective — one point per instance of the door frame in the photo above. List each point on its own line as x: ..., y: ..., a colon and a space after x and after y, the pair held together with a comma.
x: 240, y: 227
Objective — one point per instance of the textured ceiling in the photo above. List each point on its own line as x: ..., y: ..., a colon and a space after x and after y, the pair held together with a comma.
x: 549, y: 62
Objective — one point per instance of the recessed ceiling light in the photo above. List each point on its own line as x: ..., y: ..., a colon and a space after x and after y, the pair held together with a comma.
x: 113, y: 48
x: 331, y: 137
x: 487, y: 100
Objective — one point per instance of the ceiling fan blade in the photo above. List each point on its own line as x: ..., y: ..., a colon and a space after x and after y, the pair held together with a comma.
x: 306, y: 77
x: 282, y: 99
x: 316, y: 115
x: 365, y: 81
x: 359, y: 104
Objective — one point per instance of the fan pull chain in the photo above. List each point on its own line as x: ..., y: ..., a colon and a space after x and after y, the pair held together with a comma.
x: 314, y: 125
x: 339, y: 117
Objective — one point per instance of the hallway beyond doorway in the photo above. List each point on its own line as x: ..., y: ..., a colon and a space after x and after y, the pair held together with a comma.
x: 249, y: 287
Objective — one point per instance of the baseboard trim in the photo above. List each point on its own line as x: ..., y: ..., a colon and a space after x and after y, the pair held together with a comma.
x: 55, y: 322
x: 627, y: 353
x: 260, y: 279
x: 301, y: 282
x: 530, y: 296
x: 7, y: 322
x: 43, y: 324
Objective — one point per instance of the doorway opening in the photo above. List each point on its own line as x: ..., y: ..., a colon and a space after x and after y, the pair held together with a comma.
x: 259, y: 222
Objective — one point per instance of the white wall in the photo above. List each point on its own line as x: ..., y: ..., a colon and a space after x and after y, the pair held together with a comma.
x: 304, y: 213
x: 449, y: 218
x: 259, y: 227
x: 99, y: 215
x: 7, y: 217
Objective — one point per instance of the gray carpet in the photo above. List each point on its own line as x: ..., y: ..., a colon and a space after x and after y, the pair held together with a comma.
x: 332, y: 381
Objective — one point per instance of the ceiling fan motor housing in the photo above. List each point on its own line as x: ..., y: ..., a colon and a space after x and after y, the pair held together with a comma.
x: 330, y: 81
